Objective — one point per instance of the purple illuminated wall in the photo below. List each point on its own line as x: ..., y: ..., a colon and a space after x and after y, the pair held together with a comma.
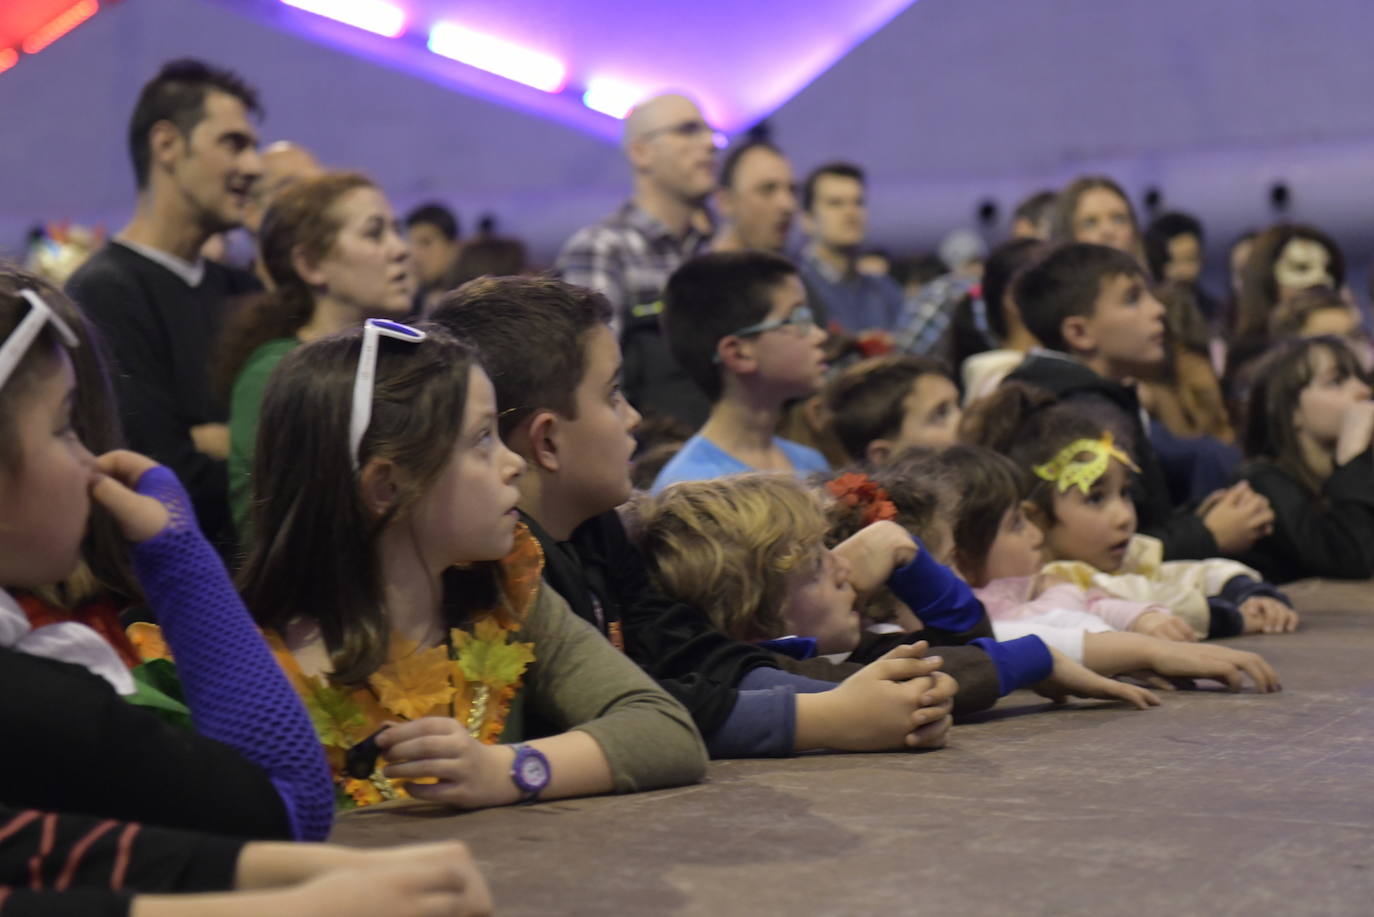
x: 953, y: 101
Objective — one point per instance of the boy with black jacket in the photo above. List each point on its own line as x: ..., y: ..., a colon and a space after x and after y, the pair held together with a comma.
x: 1092, y: 310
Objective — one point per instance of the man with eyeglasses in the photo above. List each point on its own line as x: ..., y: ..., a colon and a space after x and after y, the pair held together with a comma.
x: 629, y: 255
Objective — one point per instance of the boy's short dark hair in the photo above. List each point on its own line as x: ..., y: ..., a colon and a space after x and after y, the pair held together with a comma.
x: 867, y: 400
x: 437, y: 215
x: 999, y: 274
x: 712, y: 296
x: 730, y: 164
x: 1066, y: 283
x: 839, y: 169
x: 1035, y: 208
x: 530, y: 336
x: 177, y: 94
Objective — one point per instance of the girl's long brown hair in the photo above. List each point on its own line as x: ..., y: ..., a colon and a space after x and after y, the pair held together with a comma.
x: 301, y: 218
x: 314, y: 552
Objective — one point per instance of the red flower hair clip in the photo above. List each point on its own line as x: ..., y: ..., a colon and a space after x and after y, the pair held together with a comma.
x: 856, y: 489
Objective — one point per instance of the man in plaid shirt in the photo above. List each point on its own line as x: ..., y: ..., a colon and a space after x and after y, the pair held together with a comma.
x: 629, y: 255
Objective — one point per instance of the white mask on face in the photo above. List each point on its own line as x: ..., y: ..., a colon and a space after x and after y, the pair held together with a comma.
x: 1303, y: 263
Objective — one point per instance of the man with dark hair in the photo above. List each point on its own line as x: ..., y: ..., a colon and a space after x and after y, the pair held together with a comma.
x: 835, y: 219
x: 757, y: 199
x: 1174, y: 252
x: 157, y: 302
x: 432, y: 230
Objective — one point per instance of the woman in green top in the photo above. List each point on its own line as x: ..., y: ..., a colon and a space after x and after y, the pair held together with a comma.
x: 335, y: 256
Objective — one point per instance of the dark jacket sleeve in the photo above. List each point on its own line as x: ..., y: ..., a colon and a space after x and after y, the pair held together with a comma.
x: 154, y: 424
x: 57, y: 865
x: 93, y: 753
x: 677, y: 644
x: 979, y: 687
x: 1332, y: 536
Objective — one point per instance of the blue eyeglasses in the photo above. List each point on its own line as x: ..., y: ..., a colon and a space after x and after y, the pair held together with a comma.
x: 801, y: 318
x: 374, y: 329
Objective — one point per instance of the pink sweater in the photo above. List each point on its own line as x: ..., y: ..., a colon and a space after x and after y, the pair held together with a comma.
x: 1009, y: 599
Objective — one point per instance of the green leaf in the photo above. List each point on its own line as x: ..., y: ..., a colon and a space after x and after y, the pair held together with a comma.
x: 335, y: 715
x: 157, y: 687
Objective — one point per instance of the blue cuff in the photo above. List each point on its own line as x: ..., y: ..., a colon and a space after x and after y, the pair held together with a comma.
x: 1019, y: 663
x: 796, y: 647
x: 763, y: 724
x: 1240, y: 588
x: 935, y: 594
x: 1224, y: 618
x: 768, y: 677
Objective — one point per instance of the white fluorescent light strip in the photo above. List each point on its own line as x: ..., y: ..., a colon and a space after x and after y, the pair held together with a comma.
x: 376, y: 16
x: 499, y: 57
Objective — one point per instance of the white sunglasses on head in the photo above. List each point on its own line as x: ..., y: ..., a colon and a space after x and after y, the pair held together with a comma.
x: 27, y: 331
x: 374, y: 329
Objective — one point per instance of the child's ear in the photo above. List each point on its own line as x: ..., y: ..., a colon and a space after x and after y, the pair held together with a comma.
x: 1076, y: 330
x: 377, y: 486
x: 735, y: 354
x: 542, y: 437
x: 878, y: 451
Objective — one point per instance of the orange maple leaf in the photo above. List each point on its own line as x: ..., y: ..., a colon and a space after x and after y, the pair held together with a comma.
x: 415, y: 684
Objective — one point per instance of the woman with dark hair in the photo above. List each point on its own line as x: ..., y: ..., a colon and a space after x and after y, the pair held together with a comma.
x: 333, y: 251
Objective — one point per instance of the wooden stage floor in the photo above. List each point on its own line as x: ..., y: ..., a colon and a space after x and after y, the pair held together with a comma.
x: 1213, y: 804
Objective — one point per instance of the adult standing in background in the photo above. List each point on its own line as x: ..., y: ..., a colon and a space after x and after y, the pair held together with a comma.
x: 629, y: 255
x: 158, y: 303
x: 835, y: 218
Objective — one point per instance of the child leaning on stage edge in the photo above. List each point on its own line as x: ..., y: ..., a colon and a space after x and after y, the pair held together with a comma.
x: 749, y: 550
x: 738, y: 325
x: 1092, y: 310
x: 252, y: 768
x: 1081, y: 466
x: 1308, y: 435
x: 556, y: 368
x: 395, y: 582
x: 997, y: 551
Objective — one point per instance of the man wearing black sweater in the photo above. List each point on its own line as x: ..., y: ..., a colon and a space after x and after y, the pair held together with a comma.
x: 157, y: 303
x: 1090, y: 306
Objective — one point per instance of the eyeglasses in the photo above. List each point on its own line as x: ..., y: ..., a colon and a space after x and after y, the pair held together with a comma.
x: 801, y: 318
x: 27, y: 331
x: 374, y: 329
x: 690, y: 130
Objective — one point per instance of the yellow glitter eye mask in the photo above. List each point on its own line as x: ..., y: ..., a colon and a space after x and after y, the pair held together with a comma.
x: 1067, y: 470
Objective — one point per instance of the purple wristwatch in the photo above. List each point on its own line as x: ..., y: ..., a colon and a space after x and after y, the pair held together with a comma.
x: 531, y: 772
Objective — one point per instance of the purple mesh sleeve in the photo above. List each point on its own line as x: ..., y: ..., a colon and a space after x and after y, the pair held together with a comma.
x: 235, y: 689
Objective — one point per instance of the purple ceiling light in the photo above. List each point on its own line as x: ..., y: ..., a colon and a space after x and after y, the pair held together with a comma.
x: 587, y: 63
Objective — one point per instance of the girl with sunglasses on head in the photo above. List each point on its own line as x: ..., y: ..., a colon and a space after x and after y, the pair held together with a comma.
x: 405, y: 601
x: 250, y: 768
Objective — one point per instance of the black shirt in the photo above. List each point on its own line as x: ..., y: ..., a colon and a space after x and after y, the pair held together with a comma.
x: 162, y: 334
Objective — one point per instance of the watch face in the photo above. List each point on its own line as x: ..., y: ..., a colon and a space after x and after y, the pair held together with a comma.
x: 533, y: 772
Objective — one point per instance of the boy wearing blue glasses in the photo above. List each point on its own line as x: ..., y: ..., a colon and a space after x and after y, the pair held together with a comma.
x: 739, y: 325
